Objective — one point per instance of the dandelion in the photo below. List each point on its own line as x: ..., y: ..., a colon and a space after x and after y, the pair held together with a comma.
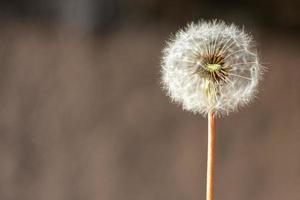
x: 211, y: 68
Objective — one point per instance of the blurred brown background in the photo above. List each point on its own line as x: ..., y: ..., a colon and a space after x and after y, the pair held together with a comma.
x: 82, y: 115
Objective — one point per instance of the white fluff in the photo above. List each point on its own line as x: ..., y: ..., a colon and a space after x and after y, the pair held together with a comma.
x: 187, y: 72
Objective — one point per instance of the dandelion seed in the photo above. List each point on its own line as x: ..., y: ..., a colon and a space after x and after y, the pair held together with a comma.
x: 224, y: 61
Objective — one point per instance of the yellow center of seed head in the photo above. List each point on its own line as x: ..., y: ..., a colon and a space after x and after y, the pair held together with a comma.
x: 213, y: 67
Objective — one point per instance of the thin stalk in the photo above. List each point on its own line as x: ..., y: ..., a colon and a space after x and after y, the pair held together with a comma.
x: 211, y: 153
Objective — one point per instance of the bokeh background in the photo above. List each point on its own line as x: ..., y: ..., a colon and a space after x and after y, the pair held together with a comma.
x: 82, y: 115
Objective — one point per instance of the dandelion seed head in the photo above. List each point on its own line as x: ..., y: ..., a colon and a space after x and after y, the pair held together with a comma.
x: 211, y: 67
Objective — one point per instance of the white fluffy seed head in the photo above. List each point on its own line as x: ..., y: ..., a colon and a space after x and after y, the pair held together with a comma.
x: 211, y: 67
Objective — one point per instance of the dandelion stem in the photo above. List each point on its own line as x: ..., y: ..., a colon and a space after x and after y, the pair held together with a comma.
x: 210, y: 157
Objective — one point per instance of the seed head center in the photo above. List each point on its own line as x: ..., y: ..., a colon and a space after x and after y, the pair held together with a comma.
x: 213, y: 67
